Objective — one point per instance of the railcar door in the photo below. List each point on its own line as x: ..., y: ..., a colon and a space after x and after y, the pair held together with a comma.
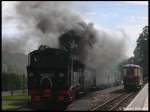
x: 141, y: 77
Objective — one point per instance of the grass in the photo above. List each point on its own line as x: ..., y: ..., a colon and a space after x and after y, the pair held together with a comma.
x: 16, y: 97
x: 10, y: 102
x: 6, y: 105
x: 15, y: 92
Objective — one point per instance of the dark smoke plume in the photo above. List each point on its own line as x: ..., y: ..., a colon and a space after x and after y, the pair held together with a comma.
x: 41, y: 22
x: 78, y: 43
x: 49, y: 19
x: 55, y: 20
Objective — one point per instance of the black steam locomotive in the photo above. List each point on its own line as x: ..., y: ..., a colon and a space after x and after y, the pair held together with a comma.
x: 54, y: 75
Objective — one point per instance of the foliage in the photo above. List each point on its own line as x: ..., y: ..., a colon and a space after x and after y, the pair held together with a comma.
x: 141, y: 50
x: 24, y: 97
x: 12, y: 81
x: 12, y: 102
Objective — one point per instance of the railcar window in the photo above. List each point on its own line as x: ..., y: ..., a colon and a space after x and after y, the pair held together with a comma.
x: 136, y: 71
x: 139, y: 72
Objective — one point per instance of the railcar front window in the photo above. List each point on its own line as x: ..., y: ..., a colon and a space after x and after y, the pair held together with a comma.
x: 130, y: 71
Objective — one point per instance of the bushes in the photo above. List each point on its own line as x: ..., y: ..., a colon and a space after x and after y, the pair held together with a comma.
x: 11, y: 81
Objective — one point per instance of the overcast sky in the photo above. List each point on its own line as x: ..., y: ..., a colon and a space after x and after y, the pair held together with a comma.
x: 128, y: 16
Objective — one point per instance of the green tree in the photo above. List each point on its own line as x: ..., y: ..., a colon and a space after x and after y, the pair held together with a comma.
x: 11, y: 81
x: 141, y: 51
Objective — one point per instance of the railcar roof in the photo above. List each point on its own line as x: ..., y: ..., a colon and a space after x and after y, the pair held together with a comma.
x: 132, y: 65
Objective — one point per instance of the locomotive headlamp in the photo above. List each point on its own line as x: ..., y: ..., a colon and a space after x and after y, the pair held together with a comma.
x: 35, y: 59
x: 31, y: 74
x: 61, y: 75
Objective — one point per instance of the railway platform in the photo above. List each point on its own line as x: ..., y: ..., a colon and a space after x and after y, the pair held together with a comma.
x: 140, y: 102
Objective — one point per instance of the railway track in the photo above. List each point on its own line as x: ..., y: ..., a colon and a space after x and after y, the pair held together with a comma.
x: 25, y: 107
x: 113, y: 103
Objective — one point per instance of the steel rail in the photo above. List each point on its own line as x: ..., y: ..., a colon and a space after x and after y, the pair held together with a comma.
x: 101, y: 105
x: 120, y: 102
x: 110, y: 101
